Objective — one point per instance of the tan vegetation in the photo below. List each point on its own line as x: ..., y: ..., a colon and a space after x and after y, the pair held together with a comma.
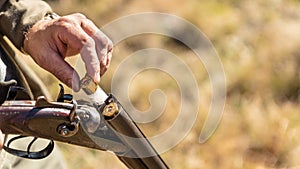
x: 258, y: 42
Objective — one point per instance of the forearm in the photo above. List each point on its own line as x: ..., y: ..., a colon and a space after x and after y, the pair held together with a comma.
x: 16, y: 17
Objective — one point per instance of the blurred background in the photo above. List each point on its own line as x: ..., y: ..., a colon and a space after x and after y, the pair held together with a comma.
x: 258, y: 43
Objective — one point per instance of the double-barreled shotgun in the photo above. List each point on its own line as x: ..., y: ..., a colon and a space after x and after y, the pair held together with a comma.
x: 106, y: 126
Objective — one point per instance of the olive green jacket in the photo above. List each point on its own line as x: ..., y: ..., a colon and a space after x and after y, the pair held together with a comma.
x: 17, y: 16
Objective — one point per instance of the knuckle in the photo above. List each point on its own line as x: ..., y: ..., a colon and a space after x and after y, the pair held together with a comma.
x: 65, y: 23
x: 79, y: 15
x: 88, y: 21
x: 106, y: 43
x: 68, y: 20
x: 64, y: 19
x: 88, y: 41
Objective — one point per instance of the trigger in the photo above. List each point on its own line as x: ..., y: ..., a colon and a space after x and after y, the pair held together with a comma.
x: 62, y: 97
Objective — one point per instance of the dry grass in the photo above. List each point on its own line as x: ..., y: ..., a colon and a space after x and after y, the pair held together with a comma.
x: 258, y: 42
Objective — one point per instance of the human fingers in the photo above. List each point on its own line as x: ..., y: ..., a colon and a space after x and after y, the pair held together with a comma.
x: 48, y: 41
x: 61, y: 69
x: 56, y: 38
x: 104, y: 48
x: 79, y: 40
x: 104, y: 65
x: 103, y: 44
x: 71, y: 33
x: 88, y: 47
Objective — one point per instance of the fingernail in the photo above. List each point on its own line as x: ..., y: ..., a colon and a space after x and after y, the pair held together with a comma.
x: 97, y: 78
x: 74, y: 85
x: 75, y: 82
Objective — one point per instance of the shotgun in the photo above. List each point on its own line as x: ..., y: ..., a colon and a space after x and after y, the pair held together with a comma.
x: 106, y: 126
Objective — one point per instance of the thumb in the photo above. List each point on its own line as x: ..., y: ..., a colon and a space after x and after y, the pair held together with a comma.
x: 62, y: 70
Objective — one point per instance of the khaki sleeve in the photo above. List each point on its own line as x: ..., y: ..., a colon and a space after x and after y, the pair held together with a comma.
x: 17, y: 16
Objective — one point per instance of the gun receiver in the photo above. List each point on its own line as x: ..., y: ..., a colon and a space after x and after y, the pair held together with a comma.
x: 105, y: 127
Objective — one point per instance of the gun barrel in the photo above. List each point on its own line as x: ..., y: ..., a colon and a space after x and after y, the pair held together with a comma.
x: 143, y: 155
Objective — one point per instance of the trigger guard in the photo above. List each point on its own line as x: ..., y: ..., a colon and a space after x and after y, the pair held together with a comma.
x: 27, y: 154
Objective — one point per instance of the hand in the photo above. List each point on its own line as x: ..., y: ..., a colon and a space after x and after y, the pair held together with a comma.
x: 49, y: 42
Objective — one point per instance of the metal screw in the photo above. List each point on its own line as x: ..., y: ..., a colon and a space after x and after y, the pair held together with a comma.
x: 64, y: 132
x: 85, y: 117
